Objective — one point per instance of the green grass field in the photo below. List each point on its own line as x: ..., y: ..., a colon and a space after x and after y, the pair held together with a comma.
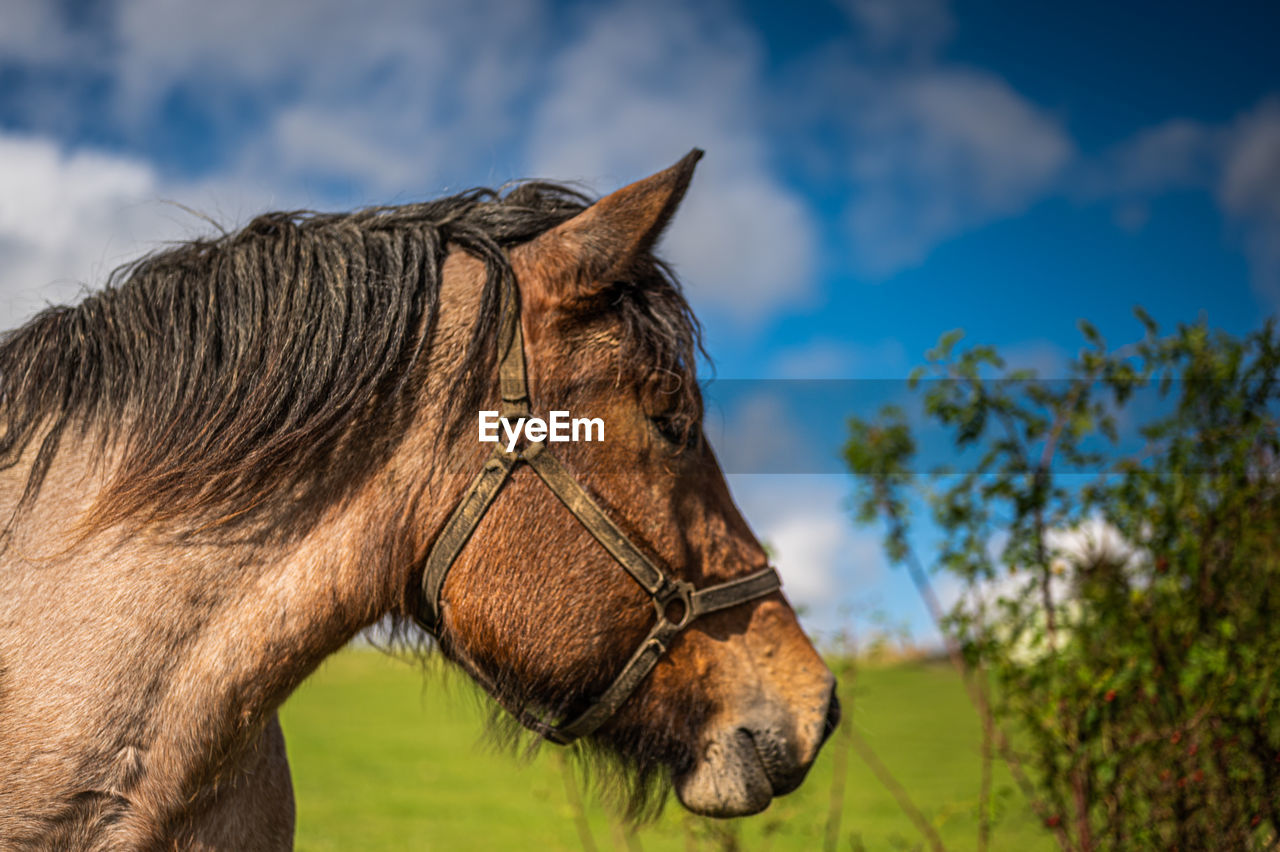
x: 386, y: 758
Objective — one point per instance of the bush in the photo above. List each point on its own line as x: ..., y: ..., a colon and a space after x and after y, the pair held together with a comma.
x: 1115, y: 537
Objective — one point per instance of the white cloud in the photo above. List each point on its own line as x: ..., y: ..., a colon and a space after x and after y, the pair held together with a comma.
x: 927, y: 150
x: 47, y: 195
x: 1252, y: 170
x: 1238, y: 162
x: 757, y: 432
x: 824, y: 358
x: 1173, y: 155
x: 1249, y: 191
x: 317, y: 102
x: 916, y: 27
x: 312, y: 140
x: 391, y: 96
x: 1072, y: 551
x: 809, y: 548
x: 637, y: 91
x: 33, y: 31
x: 1086, y: 545
x: 67, y: 218
x: 301, y: 50
x: 1093, y: 541
x: 940, y: 152
x: 827, y: 564
x: 389, y: 100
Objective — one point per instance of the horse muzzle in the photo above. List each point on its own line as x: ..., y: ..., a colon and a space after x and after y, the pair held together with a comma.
x: 746, y: 761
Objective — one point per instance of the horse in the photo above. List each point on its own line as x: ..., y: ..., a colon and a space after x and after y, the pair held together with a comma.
x: 245, y: 450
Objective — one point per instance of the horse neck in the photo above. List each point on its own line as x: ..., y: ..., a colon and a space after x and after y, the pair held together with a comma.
x: 180, y: 648
x: 256, y: 611
x: 144, y: 668
x: 351, y: 563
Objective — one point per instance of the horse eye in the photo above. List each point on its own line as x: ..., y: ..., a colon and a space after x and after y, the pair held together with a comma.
x: 676, y: 431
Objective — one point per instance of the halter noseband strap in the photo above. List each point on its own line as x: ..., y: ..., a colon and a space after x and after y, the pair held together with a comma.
x: 677, y: 602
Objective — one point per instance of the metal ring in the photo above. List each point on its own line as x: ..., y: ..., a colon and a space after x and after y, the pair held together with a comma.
x: 672, y: 591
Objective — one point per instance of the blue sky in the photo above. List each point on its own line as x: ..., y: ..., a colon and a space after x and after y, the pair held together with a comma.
x: 877, y: 171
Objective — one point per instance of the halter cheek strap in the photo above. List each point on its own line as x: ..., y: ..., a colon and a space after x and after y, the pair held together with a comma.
x: 676, y: 602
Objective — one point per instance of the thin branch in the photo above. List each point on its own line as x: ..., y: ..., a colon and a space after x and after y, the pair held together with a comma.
x: 839, y: 772
x: 988, y: 724
x: 977, y: 691
x: 899, y: 792
x: 575, y: 804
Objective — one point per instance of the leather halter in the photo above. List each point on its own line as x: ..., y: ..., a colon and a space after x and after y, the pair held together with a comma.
x: 676, y: 601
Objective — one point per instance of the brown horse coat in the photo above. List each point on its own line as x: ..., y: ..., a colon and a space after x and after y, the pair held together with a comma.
x: 223, y: 468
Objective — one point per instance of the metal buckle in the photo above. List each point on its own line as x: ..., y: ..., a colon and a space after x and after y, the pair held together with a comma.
x: 672, y: 592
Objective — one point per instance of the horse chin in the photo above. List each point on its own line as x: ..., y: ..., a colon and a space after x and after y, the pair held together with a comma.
x: 729, y: 779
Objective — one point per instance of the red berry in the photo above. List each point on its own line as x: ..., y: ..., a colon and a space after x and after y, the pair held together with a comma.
x: 1110, y: 696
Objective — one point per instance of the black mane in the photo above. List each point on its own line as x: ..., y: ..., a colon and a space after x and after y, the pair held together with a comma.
x: 215, y: 369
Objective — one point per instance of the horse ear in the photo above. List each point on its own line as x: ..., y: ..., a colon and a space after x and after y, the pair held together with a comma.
x: 596, y: 247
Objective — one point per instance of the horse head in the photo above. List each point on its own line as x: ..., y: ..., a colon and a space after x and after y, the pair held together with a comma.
x: 551, y: 570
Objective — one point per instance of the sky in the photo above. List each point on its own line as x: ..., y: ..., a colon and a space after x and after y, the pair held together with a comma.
x: 877, y: 173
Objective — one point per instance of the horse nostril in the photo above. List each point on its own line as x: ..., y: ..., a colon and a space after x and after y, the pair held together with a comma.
x: 833, y: 716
